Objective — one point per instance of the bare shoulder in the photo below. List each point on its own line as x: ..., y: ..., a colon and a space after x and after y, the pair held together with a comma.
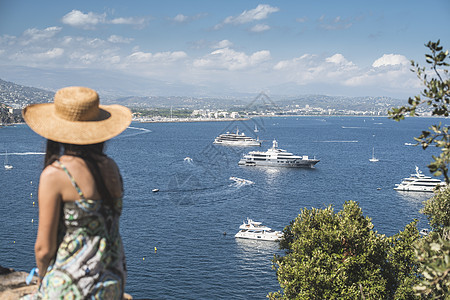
x: 51, y: 179
x: 51, y: 172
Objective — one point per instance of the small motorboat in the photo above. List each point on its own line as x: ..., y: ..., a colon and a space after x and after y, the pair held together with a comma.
x: 241, y: 181
x: 424, y: 232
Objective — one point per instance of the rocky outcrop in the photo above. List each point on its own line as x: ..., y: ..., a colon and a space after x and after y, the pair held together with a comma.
x: 13, y: 285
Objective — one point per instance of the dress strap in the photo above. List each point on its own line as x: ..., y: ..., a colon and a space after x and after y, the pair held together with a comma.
x: 75, y: 185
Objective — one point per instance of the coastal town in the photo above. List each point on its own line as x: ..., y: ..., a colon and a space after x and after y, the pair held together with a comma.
x: 14, y: 97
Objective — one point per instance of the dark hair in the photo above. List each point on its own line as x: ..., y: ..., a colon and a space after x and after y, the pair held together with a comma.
x: 90, y: 154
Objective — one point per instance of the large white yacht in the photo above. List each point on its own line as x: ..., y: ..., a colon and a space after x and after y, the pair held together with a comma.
x: 275, y: 157
x: 419, y: 183
x: 236, y: 139
x: 256, y: 231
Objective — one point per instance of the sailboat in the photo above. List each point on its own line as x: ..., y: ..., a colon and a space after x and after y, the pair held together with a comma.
x: 373, y: 159
x: 7, y: 166
x: 256, y: 129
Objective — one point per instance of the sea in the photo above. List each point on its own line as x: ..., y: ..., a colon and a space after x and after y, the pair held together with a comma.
x: 179, y: 242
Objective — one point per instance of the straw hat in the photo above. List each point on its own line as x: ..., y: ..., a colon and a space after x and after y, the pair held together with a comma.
x: 76, y: 117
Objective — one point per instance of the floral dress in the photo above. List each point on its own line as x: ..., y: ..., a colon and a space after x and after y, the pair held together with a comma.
x: 90, y: 261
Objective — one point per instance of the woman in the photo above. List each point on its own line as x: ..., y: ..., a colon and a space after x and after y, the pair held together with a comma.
x: 78, y: 249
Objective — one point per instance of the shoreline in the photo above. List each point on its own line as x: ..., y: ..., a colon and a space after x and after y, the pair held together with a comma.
x: 190, y: 120
x: 193, y: 120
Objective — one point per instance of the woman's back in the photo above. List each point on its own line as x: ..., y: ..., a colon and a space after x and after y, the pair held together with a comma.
x: 78, y: 248
x: 83, y: 177
x: 90, y: 260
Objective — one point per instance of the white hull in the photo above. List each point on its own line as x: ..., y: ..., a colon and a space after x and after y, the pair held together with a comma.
x: 262, y: 236
x: 255, y: 231
x: 236, y: 139
x: 419, y: 183
x: 238, y: 143
x: 415, y: 188
x: 275, y: 157
x: 304, y: 163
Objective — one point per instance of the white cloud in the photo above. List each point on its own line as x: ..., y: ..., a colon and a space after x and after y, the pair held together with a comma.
x: 338, y: 59
x: 90, y: 20
x: 261, y: 12
x: 160, y: 57
x: 310, y: 68
x: 115, y: 39
x: 79, y: 19
x: 138, y: 22
x: 33, y: 35
x: 337, y: 71
x: 50, y: 54
x: 181, y: 18
x: 222, y: 44
x: 390, y: 60
x: 46, y: 33
x: 128, y: 21
x: 260, y: 28
x: 334, y: 24
x: 229, y: 59
x: 114, y: 59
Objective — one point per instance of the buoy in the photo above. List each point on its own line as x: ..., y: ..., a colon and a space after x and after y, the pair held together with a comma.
x: 143, y: 258
x: 32, y: 220
x: 156, y: 249
x: 14, y: 242
x: 31, y: 182
x: 31, y: 194
x: 33, y: 203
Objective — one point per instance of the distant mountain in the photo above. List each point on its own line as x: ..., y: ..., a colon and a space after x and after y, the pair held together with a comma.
x: 109, y: 84
x: 366, y: 103
x: 18, y: 96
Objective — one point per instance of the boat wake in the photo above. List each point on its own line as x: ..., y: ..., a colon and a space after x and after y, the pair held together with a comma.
x: 139, y: 129
x: 336, y: 141
x: 238, y: 182
x: 24, y: 153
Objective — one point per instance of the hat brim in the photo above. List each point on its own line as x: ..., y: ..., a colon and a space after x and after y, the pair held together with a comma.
x: 42, y: 119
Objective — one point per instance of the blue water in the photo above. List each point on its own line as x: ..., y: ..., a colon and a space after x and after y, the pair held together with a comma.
x: 197, y: 204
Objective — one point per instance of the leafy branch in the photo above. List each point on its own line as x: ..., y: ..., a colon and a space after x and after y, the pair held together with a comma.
x: 436, y: 95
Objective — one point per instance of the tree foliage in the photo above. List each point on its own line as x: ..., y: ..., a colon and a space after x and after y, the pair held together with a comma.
x: 437, y: 210
x: 332, y: 255
x: 436, y: 95
x: 433, y: 252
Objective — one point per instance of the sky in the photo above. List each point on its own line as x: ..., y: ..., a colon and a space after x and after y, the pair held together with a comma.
x: 221, y: 48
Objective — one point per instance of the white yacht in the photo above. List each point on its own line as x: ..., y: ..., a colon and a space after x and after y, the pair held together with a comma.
x: 419, y: 183
x: 236, y: 139
x: 256, y: 231
x: 275, y: 157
